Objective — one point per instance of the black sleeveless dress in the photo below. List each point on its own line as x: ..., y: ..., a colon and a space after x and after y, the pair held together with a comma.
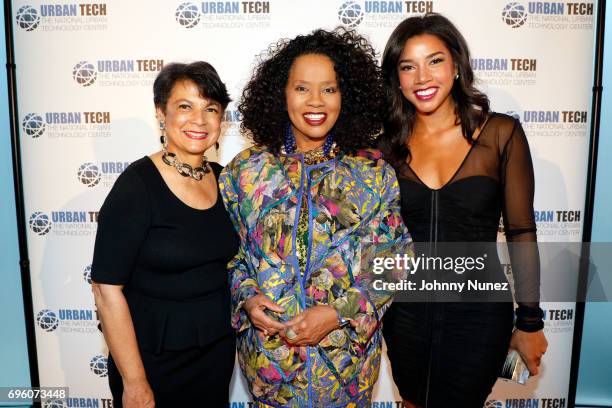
x: 450, y: 354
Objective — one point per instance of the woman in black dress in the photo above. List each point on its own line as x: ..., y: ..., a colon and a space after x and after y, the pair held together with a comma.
x: 159, y: 267
x: 460, y: 168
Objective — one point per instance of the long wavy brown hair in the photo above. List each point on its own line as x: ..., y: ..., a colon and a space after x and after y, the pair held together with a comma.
x: 471, y: 105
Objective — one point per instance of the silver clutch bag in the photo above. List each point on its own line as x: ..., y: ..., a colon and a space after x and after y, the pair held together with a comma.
x: 515, y: 369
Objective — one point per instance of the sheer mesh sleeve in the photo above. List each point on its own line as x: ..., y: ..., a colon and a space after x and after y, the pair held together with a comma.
x: 519, y: 223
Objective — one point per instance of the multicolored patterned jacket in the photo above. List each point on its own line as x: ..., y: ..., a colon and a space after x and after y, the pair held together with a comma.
x: 353, y: 202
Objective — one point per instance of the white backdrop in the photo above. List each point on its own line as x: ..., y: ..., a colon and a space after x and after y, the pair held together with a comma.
x: 85, y: 74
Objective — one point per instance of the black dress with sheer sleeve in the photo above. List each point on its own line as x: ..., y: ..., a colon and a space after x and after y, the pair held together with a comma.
x: 450, y: 354
x: 171, y: 261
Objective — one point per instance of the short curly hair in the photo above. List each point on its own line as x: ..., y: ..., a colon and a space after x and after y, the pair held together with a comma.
x: 263, y: 105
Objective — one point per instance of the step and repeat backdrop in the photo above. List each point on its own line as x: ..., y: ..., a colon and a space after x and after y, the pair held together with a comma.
x: 85, y: 74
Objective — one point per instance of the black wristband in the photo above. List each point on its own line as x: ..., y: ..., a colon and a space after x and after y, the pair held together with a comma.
x: 529, y: 319
x: 529, y: 327
x: 529, y: 312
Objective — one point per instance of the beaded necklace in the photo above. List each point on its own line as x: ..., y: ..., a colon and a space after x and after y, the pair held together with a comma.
x: 323, y: 153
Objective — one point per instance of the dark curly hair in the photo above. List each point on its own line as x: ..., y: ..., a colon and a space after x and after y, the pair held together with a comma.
x: 471, y: 106
x: 263, y: 105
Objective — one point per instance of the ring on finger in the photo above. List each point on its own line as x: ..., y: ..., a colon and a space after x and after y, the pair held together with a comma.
x: 290, y: 333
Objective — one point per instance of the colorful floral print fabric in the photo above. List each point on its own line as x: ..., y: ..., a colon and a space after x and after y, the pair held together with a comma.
x: 353, y: 209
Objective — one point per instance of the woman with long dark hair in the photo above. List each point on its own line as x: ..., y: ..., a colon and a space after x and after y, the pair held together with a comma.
x: 460, y: 167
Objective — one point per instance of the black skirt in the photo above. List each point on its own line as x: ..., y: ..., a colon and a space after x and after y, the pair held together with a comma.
x: 195, y: 377
x: 447, y: 354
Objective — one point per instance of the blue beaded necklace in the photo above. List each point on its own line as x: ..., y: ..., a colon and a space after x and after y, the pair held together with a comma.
x: 291, y: 145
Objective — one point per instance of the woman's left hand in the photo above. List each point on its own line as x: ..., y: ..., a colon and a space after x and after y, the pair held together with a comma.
x: 531, y: 347
x: 310, y: 326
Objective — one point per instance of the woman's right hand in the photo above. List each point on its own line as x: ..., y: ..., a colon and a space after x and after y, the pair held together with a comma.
x: 137, y: 394
x: 255, y: 308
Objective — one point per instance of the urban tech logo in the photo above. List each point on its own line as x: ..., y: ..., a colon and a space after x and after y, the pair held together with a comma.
x: 54, y: 403
x: 187, y: 15
x: 558, y: 314
x: 67, y: 124
x: 558, y: 224
x: 99, y: 366
x: 104, y: 173
x: 27, y: 18
x: 39, y: 223
x: 64, y: 223
x: 78, y: 321
x: 89, y: 174
x: 117, y: 72
x: 559, y: 320
x: 87, y: 274
x: 376, y: 13
x: 79, y: 402
x: 549, y: 15
x: 535, y: 403
x: 84, y: 73
x: 33, y: 125
x: 514, y: 14
x: 493, y: 404
x: 503, y: 71
x: 224, y: 14
x: 556, y: 216
x: 554, y: 123
x: 63, y: 17
x: 47, y: 320
x: 350, y: 14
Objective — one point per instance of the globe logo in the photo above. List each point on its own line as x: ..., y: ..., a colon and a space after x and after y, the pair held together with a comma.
x: 47, y: 320
x: 187, y: 15
x: 89, y: 174
x: 84, y: 73
x: 87, y: 274
x: 514, y: 114
x: 33, y: 125
x: 514, y: 15
x: 27, y: 18
x: 55, y: 403
x: 40, y: 223
x: 350, y: 14
x: 98, y: 365
x: 493, y: 404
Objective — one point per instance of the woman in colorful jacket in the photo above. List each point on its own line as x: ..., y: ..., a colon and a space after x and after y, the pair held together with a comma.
x: 311, y: 203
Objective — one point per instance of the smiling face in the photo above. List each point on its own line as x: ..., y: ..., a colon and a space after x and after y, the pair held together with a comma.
x: 426, y: 73
x: 193, y: 122
x: 313, y: 99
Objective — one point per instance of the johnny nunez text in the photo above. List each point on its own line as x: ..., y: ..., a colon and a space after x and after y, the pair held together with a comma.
x: 425, y: 285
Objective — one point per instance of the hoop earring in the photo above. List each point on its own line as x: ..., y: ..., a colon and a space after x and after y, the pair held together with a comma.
x: 456, y: 76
